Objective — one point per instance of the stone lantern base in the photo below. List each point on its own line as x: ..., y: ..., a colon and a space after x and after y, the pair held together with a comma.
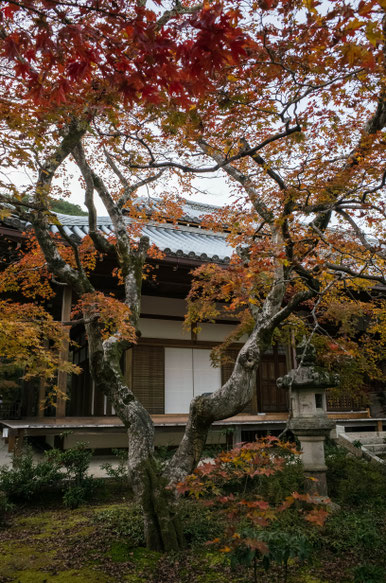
x: 313, y: 462
x: 312, y: 432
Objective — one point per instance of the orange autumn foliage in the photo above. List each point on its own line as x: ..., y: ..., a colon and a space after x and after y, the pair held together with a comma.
x: 230, y: 484
x: 113, y: 316
x: 32, y: 340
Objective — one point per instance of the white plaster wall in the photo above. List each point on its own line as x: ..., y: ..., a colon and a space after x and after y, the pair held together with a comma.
x: 206, y: 378
x: 214, y: 332
x: 173, y: 437
x: 169, y: 329
x: 165, y: 437
x: 163, y: 329
x: 163, y: 306
x: 96, y: 440
x: 174, y: 307
x: 50, y: 440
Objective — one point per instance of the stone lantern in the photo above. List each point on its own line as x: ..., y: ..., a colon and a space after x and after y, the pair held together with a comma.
x: 308, y: 413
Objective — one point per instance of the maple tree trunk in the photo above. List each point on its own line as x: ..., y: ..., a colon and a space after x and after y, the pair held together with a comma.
x: 235, y: 394
x: 161, y: 523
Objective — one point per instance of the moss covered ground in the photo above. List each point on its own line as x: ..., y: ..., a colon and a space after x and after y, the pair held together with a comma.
x: 82, y: 546
x: 102, y: 542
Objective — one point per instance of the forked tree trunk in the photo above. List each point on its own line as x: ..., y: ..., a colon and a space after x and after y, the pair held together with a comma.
x: 150, y: 484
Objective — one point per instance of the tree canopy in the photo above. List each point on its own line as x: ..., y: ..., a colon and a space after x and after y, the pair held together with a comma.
x: 65, y: 207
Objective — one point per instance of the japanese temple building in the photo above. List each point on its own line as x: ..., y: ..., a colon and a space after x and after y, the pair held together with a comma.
x: 169, y: 365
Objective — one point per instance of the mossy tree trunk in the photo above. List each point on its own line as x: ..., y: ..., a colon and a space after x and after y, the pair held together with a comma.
x: 163, y: 530
x: 161, y: 524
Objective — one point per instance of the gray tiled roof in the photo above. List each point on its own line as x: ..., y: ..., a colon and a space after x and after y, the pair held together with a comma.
x: 173, y: 240
x: 192, y: 212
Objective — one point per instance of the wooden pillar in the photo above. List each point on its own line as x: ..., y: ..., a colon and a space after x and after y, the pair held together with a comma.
x: 11, y: 439
x: 254, y: 407
x: 41, y: 397
x: 42, y: 392
x: 62, y: 376
x: 237, y: 435
x: 19, y: 442
x: 15, y: 441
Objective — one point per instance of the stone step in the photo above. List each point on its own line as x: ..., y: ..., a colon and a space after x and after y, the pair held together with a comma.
x: 368, y: 438
x: 366, y: 443
x: 374, y: 441
x: 371, y: 444
x: 375, y: 447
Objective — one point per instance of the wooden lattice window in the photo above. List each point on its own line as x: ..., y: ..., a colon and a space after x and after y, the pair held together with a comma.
x: 148, y: 377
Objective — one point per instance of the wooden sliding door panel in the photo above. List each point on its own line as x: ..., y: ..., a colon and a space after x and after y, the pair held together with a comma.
x: 206, y: 378
x: 148, y: 377
x: 270, y: 397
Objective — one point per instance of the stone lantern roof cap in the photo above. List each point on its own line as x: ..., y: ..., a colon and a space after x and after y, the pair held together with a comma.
x: 307, y: 376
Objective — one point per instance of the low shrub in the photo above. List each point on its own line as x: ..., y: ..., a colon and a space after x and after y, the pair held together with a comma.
x: 5, y: 507
x: 26, y: 479
x: 354, y: 481
x: 369, y: 574
x: 126, y: 523
x: 282, y: 547
x: 75, y: 461
x: 74, y: 496
x: 276, y: 487
x: 254, y: 488
x: 352, y: 531
x: 78, y: 486
x: 199, y: 523
x: 119, y: 473
x: 63, y: 471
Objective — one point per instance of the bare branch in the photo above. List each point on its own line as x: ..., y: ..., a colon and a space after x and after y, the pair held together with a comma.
x: 206, y: 169
x: 130, y: 260
x: 376, y: 188
x: 360, y: 234
x: 176, y: 11
x: 73, y: 246
x: 41, y: 221
x: 129, y: 189
x: 243, y: 179
x: 261, y: 162
x: 134, y: 187
x: 355, y: 274
x: 292, y: 305
x: 100, y: 242
x: 8, y: 200
x: 115, y: 168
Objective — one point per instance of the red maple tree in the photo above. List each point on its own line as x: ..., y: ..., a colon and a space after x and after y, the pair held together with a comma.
x: 287, y: 97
